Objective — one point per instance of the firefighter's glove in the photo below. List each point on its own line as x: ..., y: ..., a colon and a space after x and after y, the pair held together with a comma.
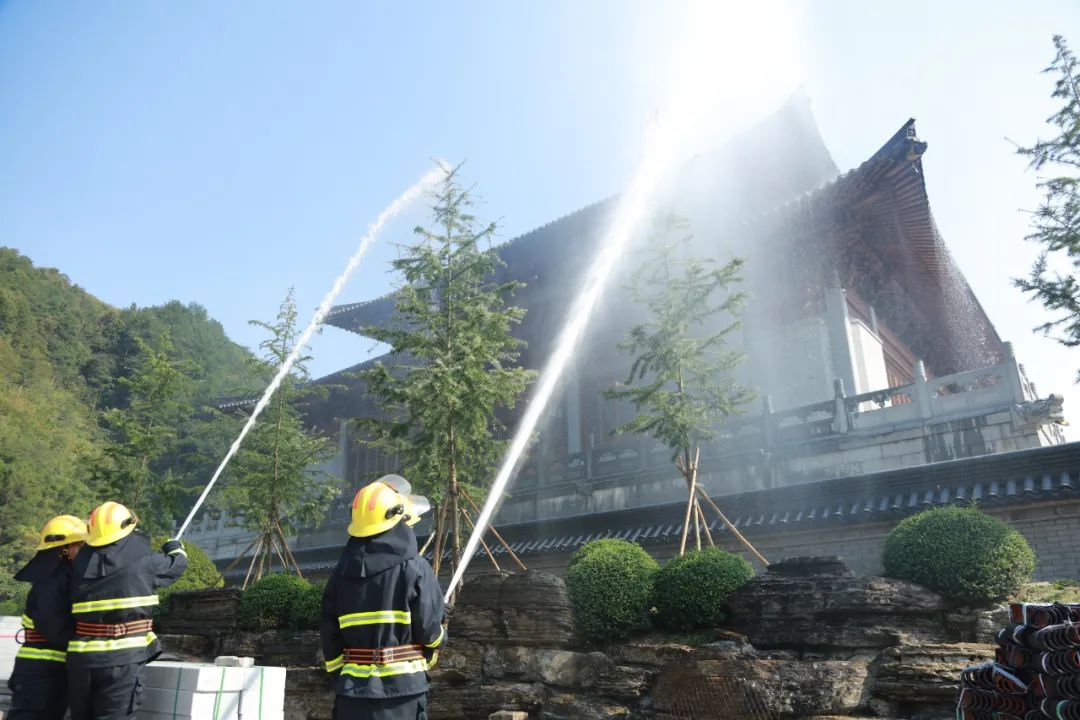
x: 172, y: 546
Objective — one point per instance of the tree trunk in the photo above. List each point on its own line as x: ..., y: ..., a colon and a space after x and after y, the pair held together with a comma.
x: 439, y: 530
x: 455, y: 529
x: 454, y: 507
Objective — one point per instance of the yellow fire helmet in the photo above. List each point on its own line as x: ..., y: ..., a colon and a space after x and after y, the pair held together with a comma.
x: 383, y: 504
x: 62, y: 530
x: 110, y: 522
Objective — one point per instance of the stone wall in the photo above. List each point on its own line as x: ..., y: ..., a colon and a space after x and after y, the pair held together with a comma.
x: 808, y: 639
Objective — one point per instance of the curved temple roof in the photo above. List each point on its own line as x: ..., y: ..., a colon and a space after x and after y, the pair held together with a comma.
x: 772, y: 176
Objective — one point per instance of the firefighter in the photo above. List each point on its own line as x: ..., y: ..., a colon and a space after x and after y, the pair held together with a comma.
x: 39, y: 681
x: 382, y: 616
x: 113, y: 600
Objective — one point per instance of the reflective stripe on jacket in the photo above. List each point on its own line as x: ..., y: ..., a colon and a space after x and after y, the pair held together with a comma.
x: 382, y: 597
x: 47, y: 623
x: 115, y: 584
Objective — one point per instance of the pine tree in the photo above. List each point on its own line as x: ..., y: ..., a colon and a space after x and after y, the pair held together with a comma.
x: 452, y: 362
x: 679, y: 381
x: 1056, y: 223
x: 272, y: 483
x: 144, y: 432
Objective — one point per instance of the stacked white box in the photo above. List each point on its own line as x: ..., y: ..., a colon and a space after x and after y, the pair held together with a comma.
x: 263, y: 696
x: 200, y: 691
x: 9, y: 626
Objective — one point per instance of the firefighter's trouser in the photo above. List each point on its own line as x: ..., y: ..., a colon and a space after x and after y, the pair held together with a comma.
x: 108, y: 693
x: 38, y: 697
x: 412, y: 707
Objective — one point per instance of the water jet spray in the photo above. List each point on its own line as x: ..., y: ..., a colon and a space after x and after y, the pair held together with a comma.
x: 374, y: 229
x: 699, y: 60
x: 631, y: 212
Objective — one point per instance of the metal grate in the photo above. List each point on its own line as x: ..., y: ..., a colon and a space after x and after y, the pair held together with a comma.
x: 717, y: 697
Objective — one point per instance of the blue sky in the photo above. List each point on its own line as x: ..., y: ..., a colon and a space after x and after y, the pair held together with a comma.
x: 222, y: 152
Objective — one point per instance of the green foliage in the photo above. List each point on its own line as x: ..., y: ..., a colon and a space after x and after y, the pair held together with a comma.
x: 306, y: 611
x: 692, y: 590
x: 75, y: 378
x: 610, y: 584
x: 450, y: 340
x: 679, y: 382
x: 269, y: 603
x: 1056, y: 223
x: 201, y: 573
x: 48, y: 433
x: 1057, y: 591
x: 15, y: 603
x: 960, y: 552
x: 217, y: 365
x: 143, y: 433
x: 271, y: 483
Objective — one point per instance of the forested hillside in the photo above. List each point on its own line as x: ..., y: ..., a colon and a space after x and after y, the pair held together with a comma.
x: 100, y: 402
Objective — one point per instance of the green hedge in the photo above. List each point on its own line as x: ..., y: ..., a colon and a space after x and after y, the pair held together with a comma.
x: 201, y: 573
x: 610, y: 585
x: 692, y: 591
x: 269, y: 604
x: 960, y: 552
x: 306, y: 610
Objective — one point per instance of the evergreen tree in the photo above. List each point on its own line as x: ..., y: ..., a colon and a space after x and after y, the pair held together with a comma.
x: 144, y: 433
x: 1056, y: 225
x: 679, y: 381
x: 453, y: 362
x: 272, y: 484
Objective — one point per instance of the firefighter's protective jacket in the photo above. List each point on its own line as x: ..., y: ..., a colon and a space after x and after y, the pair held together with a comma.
x: 115, y: 584
x: 47, y: 623
x: 382, y: 617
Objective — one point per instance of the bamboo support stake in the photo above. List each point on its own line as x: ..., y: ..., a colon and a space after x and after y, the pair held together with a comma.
x: 276, y: 545
x: 264, y: 560
x: 254, y: 557
x: 427, y: 543
x: 733, y: 529
x: 697, y: 524
x: 434, y: 528
x: 483, y: 544
x: 239, y: 557
x: 692, y: 477
x: 494, y: 531
x: 705, y: 525
x: 288, y: 550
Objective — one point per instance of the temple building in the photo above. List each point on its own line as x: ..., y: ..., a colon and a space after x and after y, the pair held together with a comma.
x: 883, y: 387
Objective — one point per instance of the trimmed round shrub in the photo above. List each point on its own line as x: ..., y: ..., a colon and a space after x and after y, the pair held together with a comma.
x: 961, y: 553
x: 201, y: 573
x: 610, y: 585
x: 692, y: 590
x: 268, y: 604
x: 307, y: 609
